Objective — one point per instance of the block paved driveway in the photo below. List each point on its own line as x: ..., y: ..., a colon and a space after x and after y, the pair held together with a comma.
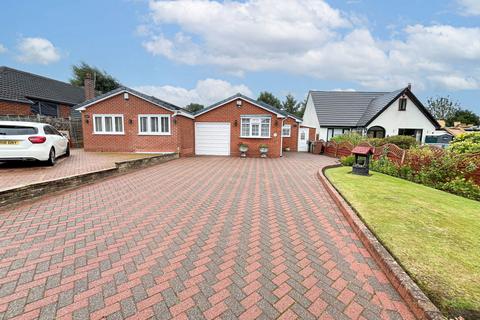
x: 192, y: 238
x: 19, y: 174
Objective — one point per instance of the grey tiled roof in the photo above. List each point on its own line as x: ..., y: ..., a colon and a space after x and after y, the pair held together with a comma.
x: 152, y: 99
x: 342, y: 108
x: 21, y: 86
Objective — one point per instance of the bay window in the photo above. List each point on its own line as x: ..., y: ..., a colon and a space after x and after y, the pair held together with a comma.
x: 108, y: 124
x: 154, y: 124
x: 255, y: 127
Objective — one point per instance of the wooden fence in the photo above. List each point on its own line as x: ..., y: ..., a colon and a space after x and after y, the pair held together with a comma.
x: 394, y: 153
x: 72, y: 126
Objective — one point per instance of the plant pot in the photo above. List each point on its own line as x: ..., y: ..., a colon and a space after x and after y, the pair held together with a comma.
x: 263, y: 152
x: 243, y: 150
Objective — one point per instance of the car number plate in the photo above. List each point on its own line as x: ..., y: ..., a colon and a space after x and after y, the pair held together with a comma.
x: 9, y: 142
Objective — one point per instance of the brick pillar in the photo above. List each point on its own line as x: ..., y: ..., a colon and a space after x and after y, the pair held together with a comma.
x: 89, y: 86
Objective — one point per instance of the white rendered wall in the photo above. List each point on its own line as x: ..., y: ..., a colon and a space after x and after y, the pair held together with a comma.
x: 412, y: 118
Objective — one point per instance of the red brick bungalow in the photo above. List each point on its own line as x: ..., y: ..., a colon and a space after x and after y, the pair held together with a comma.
x: 221, y: 127
x: 125, y: 120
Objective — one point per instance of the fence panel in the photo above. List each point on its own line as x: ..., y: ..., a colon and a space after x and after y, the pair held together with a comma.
x: 344, y: 149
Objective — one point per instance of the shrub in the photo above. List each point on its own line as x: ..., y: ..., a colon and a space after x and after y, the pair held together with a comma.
x: 404, y: 142
x: 466, y: 143
x: 352, y: 137
x: 376, y: 142
x: 446, y: 171
x: 384, y: 165
x: 347, y: 161
x: 462, y: 187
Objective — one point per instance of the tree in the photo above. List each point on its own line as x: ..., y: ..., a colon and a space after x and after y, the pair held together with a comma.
x: 194, y: 107
x: 270, y: 99
x: 442, y: 108
x: 301, y: 108
x: 290, y: 104
x: 103, y: 81
x: 465, y: 116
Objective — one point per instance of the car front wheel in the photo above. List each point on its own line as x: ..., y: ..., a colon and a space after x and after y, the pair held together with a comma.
x: 67, y: 152
x: 51, y: 158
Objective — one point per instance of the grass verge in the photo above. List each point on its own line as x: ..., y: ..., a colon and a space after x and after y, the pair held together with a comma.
x: 434, y: 235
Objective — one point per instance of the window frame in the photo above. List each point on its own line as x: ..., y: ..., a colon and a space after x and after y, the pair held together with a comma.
x: 404, y: 107
x: 149, y: 131
x: 258, y: 119
x: 289, y: 126
x: 102, y: 117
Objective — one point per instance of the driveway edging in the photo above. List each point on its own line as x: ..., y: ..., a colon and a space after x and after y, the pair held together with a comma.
x: 28, y: 192
x: 419, y: 303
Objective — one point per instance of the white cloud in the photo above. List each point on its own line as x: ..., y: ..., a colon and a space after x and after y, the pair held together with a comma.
x: 2, y: 48
x: 309, y: 37
x: 37, y: 50
x: 206, y: 92
x: 470, y: 7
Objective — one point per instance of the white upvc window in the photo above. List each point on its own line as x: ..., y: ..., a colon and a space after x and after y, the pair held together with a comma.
x: 154, y: 124
x: 108, y: 124
x: 255, y: 127
x: 287, y: 130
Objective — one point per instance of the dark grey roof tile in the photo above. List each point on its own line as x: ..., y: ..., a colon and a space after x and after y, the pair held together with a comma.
x: 21, y: 86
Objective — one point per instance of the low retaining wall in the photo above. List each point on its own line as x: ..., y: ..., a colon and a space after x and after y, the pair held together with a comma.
x: 418, y: 302
x: 35, y: 190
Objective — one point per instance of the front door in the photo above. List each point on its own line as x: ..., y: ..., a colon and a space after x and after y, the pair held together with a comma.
x: 303, y: 139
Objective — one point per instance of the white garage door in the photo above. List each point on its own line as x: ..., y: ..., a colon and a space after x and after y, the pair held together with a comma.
x: 212, y: 138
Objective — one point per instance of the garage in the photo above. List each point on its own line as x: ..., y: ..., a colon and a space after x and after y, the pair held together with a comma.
x: 212, y: 138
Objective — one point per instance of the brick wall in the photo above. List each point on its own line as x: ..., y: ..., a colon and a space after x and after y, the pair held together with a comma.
x: 130, y: 141
x: 292, y: 141
x: 229, y: 112
x: 64, y: 111
x: 187, y: 137
x: 14, y: 108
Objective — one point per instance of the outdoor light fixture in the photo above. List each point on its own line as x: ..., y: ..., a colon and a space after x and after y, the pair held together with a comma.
x: 130, y: 121
x: 235, y: 123
x: 276, y: 123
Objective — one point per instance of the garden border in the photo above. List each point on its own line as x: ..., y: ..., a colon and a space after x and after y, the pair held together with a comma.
x: 419, y: 303
x: 35, y: 190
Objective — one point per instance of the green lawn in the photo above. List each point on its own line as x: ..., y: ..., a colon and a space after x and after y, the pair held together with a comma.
x: 433, y: 234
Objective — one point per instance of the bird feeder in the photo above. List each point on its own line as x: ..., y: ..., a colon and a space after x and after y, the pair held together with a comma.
x: 362, y: 160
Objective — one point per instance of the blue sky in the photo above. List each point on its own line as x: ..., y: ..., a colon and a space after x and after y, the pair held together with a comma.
x: 203, y: 51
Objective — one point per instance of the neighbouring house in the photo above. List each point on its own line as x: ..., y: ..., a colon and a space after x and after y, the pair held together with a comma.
x: 375, y: 114
x: 23, y: 93
x: 221, y: 127
x: 125, y: 120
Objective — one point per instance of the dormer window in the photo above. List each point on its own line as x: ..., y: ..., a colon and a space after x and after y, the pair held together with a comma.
x: 402, y: 104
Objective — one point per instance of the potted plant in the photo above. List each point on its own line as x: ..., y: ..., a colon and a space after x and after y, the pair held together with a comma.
x: 263, y: 148
x: 243, y: 148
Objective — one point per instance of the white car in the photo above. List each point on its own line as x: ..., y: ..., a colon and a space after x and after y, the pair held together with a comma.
x: 31, y: 141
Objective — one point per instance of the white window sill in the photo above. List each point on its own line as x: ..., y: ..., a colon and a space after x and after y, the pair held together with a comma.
x: 255, y: 137
x: 286, y: 136
x: 155, y: 134
x: 110, y: 133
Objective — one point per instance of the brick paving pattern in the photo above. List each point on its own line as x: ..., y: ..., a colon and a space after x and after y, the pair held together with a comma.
x: 20, y: 174
x: 194, y: 238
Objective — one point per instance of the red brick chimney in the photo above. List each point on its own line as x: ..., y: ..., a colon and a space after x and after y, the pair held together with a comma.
x: 409, y: 86
x: 89, y: 86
